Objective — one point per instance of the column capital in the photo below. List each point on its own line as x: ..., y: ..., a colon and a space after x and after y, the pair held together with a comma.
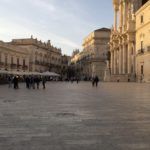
x: 116, y: 4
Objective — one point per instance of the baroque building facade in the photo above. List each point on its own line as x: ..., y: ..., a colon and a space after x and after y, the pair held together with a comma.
x: 13, y: 58
x: 65, y: 62
x: 42, y: 56
x: 122, y: 42
x: 30, y: 55
x: 143, y: 42
x: 91, y: 61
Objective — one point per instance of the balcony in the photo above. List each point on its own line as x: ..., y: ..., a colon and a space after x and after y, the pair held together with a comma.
x: 1, y: 64
x: 148, y: 48
x: 44, y: 64
x: 6, y: 65
x: 37, y: 62
x: 25, y: 67
x: 13, y: 66
x: 19, y: 66
x: 141, y: 51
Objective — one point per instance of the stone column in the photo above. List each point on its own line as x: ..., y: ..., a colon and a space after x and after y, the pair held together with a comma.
x: 134, y: 58
x: 115, y: 61
x: 124, y: 14
x: 121, y: 15
x: 130, y: 11
x: 115, y: 20
x: 129, y: 58
x: 127, y: 11
x: 120, y: 59
x: 116, y: 9
x: 112, y: 62
x: 124, y: 59
x: 123, y: 11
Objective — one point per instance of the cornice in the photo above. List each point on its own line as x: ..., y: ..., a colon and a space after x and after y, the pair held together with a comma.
x: 143, y: 7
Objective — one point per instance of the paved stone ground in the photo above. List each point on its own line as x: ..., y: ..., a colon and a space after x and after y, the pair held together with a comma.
x: 65, y: 116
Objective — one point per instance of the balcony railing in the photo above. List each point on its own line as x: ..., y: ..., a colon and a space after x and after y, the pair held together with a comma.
x: 13, y: 66
x: 140, y: 51
x: 148, y: 48
x: 1, y: 64
x: 37, y: 62
x: 41, y: 63
x: 25, y: 67
x: 19, y: 66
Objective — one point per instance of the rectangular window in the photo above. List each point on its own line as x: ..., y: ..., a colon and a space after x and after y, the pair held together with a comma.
x: 12, y: 60
x: 17, y: 61
x: 0, y: 57
x: 142, y: 18
x: 142, y: 69
x: 142, y: 50
x: 35, y: 57
x: 5, y: 59
x: 24, y: 62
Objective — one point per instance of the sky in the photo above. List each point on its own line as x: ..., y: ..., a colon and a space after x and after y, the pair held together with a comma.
x: 65, y: 22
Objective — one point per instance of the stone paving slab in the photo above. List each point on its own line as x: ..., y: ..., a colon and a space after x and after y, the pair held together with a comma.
x: 65, y: 116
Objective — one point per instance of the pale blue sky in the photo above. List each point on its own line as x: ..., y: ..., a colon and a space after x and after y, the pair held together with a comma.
x: 65, y: 22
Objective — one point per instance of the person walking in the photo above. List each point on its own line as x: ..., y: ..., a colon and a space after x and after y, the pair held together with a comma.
x: 15, y: 81
x: 27, y: 82
x: 93, y: 81
x: 10, y: 80
x: 37, y: 80
x: 96, y: 80
x: 32, y: 82
x: 43, y: 82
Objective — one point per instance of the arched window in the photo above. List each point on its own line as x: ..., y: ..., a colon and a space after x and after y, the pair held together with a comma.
x: 6, y: 59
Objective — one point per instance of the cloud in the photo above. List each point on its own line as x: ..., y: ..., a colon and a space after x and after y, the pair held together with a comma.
x: 19, y: 31
x: 64, y: 22
x: 64, y: 41
x: 44, y: 5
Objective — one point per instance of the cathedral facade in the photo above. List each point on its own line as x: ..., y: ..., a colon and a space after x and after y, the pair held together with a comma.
x: 122, y: 41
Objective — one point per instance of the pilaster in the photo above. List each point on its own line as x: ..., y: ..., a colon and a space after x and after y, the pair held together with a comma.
x: 115, y: 61
x: 124, y: 59
x: 120, y: 59
x: 129, y: 57
x: 112, y: 62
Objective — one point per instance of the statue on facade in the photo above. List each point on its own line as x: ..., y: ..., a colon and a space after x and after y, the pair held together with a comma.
x: 48, y: 42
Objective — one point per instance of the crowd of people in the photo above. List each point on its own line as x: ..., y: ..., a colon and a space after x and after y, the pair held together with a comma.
x: 31, y: 81
x: 34, y: 81
x: 94, y: 80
